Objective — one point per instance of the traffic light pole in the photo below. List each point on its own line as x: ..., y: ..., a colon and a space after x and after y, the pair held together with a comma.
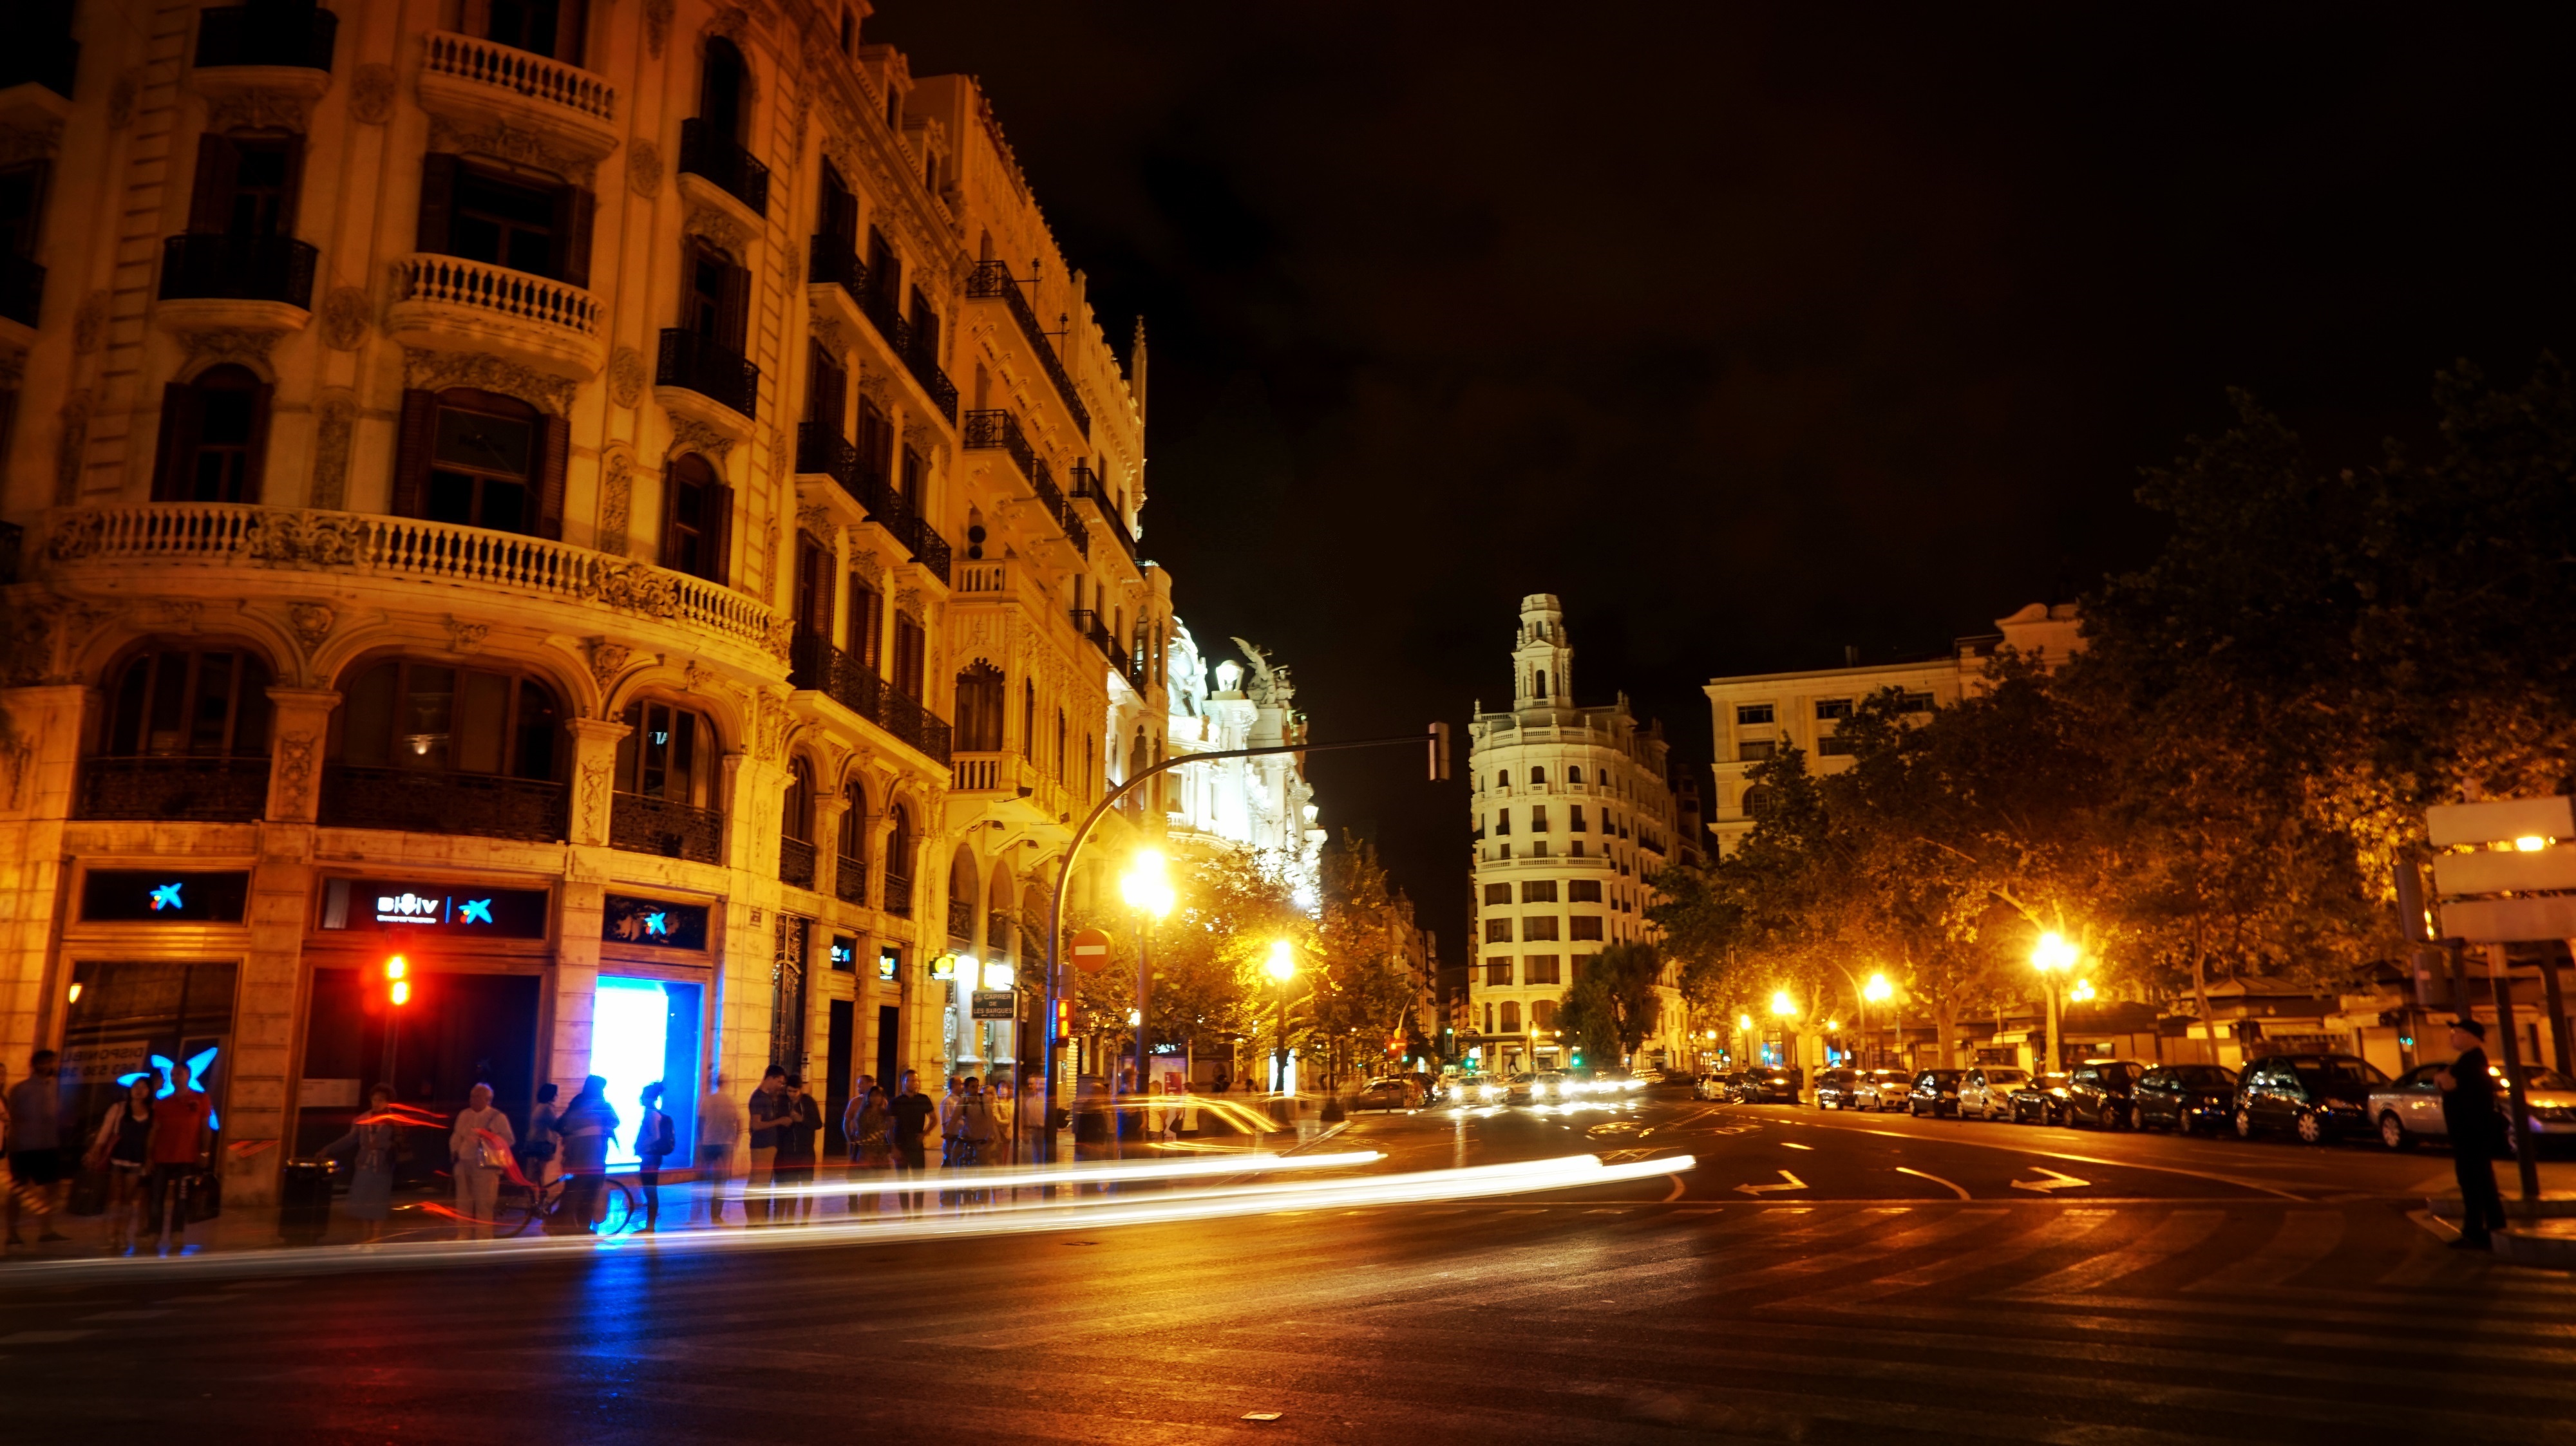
x: 1436, y: 738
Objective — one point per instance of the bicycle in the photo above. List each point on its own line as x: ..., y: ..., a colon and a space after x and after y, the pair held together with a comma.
x: 524, y: 1202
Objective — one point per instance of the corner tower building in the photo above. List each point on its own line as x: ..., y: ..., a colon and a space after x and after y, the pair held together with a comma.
x: 1573, y: 814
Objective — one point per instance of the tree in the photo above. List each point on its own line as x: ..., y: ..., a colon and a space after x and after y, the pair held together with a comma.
x: 1612, y: 1005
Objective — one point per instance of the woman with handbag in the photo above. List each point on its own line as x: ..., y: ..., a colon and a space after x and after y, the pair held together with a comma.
x: 479, y: 1154
x: 372, y: 1139
x: 123, y: 1149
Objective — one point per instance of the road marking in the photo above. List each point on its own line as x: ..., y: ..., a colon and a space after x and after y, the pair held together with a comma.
x: 1794, y: 1184
x: 2237, y: 1181
x: 1677, y: 1189
x: 1935, y: 1179
x: 2304, y: 1238
x: 1794, y: 1145
x: 2176, y: 1234
x: 2055, y: 1181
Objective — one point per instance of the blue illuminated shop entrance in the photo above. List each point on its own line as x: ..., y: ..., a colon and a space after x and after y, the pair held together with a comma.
x: 643, y: 1031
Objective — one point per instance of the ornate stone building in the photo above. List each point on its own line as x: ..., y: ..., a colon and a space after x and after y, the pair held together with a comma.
x: 624, y: 505
x: 1264, y: 805
x: 1573, y: 814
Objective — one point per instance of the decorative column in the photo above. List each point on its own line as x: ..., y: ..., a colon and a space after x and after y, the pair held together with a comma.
x: 259, y: 1103
x: 829, y: 810
x: 38, y: 771
x: 575, y: 977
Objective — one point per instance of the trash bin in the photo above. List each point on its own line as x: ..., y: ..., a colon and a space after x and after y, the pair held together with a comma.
x: 304, y: 1201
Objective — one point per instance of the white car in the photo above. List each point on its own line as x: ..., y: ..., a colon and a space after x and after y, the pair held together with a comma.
x: 2408, y: 1109
x: 1986, y: 1092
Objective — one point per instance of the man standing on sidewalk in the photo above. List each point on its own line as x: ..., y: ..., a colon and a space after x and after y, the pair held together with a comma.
x: 35, y: 1147
x: 914, y: 1118
x: 769, y: 1106
x: 2469, y: 1114
x: 719, y: 1126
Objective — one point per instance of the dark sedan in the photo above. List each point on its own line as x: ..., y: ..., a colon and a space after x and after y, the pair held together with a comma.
x: 1935, y: 1093
x: 2103, y: 1093
x: 2042, y: 1101
x: 1773, y: 1086
x: 2317, y: 1097
x: 2185, y: 1098
x: 1838, y: 1089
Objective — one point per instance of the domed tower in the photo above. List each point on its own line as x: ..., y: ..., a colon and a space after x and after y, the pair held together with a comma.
x: 1543, y: 660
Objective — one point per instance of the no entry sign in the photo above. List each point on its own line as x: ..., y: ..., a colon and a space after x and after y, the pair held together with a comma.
x: 1090, y: 950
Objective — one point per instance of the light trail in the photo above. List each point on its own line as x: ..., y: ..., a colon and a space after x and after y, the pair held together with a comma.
x: 1074, y: 1213
x: 885, y: 1183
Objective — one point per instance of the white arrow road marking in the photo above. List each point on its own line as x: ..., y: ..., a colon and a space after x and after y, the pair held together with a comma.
x: 1794, y: 1184
x: 1935, y: 1179
x: 2055, y: 1181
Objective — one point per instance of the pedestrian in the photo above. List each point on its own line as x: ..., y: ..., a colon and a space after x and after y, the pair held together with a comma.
x: 35, y: 1147
x: 371, y: 1141
x: 1156, y: 1116
x: 791, y: 1170
x: 948, y: 1102
x: 913, y: 1117
x: 656, y: 1139
x: 719, y: 1131
x: 768, y: 1107
x: 851, y: 1111
x: 974, y: 1131
x: 588, y: 1127
x: 181, y: 1148
x: 540, y: 1152
x: 2469, y: 1114
x: 123, y: 1149
x: 478, y: 1155
x: 871, y: 1144
x: 1005, y: 1106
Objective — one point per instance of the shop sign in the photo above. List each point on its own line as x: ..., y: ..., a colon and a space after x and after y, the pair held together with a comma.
x: 138, y: 896
x: 994, y: 1003
x: 845, y: 954
x: 427, y: 908
x: 658, y: 922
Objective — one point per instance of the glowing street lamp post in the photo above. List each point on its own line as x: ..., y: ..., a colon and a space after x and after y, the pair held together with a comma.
x: 1148, y: 891
x: 1877, y: 991
x: 1283, y: 968
x: 1785, y: 1009
x: 2049, y: 956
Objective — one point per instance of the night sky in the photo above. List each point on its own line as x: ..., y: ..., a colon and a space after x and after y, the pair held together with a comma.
x: 1753, y: 332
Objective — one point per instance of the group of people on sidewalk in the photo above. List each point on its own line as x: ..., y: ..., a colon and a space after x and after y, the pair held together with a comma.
x: 887, y: 1131
x: 154, y: 1146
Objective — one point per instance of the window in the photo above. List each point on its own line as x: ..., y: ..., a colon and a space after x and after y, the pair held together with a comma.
x: 827, y: 389
x: 1757, y: 799
x: 1834, y: 745
x: 1748, y: 714
x: 480, y: 459
x: 1511, y: 1016
x: 214, y: 437
x: 854, y: 825
x: 1538, y: 819
x: 504, y: 218
x: 867, y: 623
x: 1535, y: 891
x: 1538, y: 776
x: 1498, y: 893
x: 210, y: 703
x: 1580, y: 960
x: 876, y: 441
x: 914, y: 470
x: 1489, y: 1019
x: 1574, y: 775
x: 1754, y: 750
x: 885, y: 271
x: 1574, y: 823
x: 1913, y: 702
x: 717, y: 305
x: 1586, y: 926
x: 432, y: 718
x: 1498, y: 931
x: 540, y: 27
x: 1583, y: 891
x: 796, y: 820
x: 910, y: 651
x: 22, y: 200
x: 961, y: 897
x: 816, y: 571
x: 1831, y: 708
x: 668, y: 753
x: 720, y: 89
x: 1541, y: 969
x: 1502, y: 822
x: 697, y: 516
x: 980, y: 691
x: 1503, y: 780
x: 1538, y: 926
x: 1542, y: 1011
x: 1498, y: 971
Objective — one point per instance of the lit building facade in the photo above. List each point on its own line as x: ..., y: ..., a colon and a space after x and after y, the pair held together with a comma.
x: 1573, y: 813
x: 1263, y: 805
x: 618, y: 505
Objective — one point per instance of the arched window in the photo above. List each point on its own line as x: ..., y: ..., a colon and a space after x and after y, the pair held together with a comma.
x: 1543, y: 1014
x: 850, y: 879
x: 1538, y: 775
x: 898, y: 864
x: 1503, y: 779
x: 214, y: 437
x: 419, y: 716
x: 1511, y: 1016
x: 697, y: 519
x: 962, y: 895
x: 669, y: 753
x: 796, y: 820
x: 720, y: 89
x: 1541, y: 690
x: 1757, y: 800
x: 198, y: 702
x: 980, y: 691
x: 1574, y: 775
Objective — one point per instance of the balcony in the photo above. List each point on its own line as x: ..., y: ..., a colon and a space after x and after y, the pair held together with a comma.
x: 998, y: 430
x: 905, y: 718
x: 898, y: 889
x: 907, y: 347
x: 211, y: 279
x: 850, y: 880
x: 1007, y: 787
x: 469, y: 79
x: 1088, y: 487
x: 830, y: 261
x: 112, y: 544
x: 730, y: 168
x: 658, y: 826
x: 702, y: 365
x: 814, y: 663
x: 22, y: 290
x: 923, y: 542
x: 195, y: 790
x: 416, y: 801
x: 450, y: 303
x: 1086, y: 621
x: 796, y: 863
x: 291, y: 36
x: 991, y: 281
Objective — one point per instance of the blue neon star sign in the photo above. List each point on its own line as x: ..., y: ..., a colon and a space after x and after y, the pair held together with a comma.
x: 166, y: 897
x: 474, y: 911
x: 656, y: 924
x: 198, y: 1064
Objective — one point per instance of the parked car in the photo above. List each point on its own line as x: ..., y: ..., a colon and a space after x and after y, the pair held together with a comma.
x: 1544, y: 1088
x: 2103, y: 1093
x: 1394, y: 1093
x: 1987, y: 1091
x: 1718, y: 1084
x: 1935, y: 1092
x: 2184, y: 1098
x: 1772, y: 1086
x: 2318, y: 1097
x: 1881, y: 1089
x: 1836, y: 1089
x: 2408, y: 1109
x: 2042, y: 1101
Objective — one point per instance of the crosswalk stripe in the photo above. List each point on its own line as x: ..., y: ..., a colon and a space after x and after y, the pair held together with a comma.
x: 2172, y: 1236
x: 2058, y: 1230
x: 2303, y: 1239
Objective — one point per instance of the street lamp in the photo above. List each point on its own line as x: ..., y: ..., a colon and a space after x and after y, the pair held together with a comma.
x: 1876, y: 991
x: 2050, y: 955
x: 1282, y: 967
x: 1148, y: 891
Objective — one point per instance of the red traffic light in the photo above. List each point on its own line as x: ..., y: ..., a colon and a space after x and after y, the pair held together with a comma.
x: 397, y: 984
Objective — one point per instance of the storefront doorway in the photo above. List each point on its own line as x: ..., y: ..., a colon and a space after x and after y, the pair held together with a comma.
x: 455, y: 1031
x: 137, y: 1020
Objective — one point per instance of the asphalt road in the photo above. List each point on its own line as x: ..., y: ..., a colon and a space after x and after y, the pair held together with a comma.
x: 2184, y: 1290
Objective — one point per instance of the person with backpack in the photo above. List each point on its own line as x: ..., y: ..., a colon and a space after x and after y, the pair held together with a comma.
x: 588, y: 1127
x: 656, y: 1140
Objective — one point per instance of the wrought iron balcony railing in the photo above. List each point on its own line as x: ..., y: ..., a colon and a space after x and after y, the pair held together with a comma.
x: 202, y: 790
x: 924, y: 543
x: 850, y: 880
x: 829, y: 261
x: 212, y: 265
x: 996, y: 429
x: 906, y: 719
x: 647, y: 825
x: 813, y: 662
x: 418, y: 801
x: 796, y: 863
x: 898, y: 893
x: 269, y: 32
x: 710, y: 368
x: 822, y: 450
x: 991, y: 280
x: 1086, y: 483
x: 705, y: 151
x: 906, y: 342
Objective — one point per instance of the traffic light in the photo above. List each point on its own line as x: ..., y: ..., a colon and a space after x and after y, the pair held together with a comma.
x: 397, y: 981
x: 1439, y: 741
x: 1063, y: 1020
